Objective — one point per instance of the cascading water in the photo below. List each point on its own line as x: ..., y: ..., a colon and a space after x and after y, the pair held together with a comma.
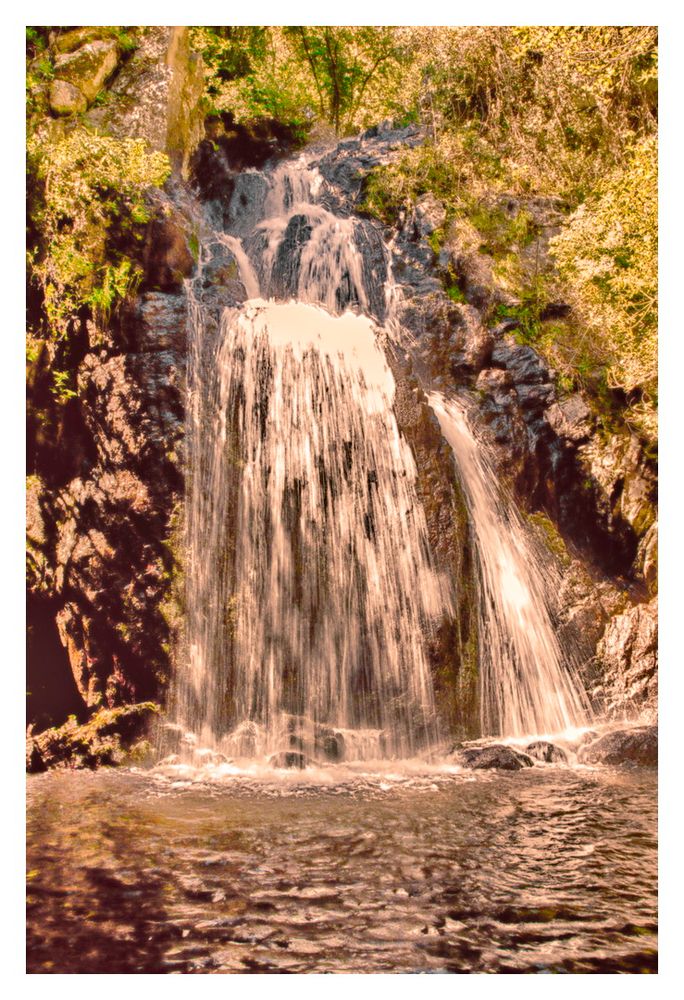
x: 310, y: 591
x: 527, y: 684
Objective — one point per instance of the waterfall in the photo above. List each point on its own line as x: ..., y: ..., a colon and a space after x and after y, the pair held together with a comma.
x: 310, y: 591
x: 527, y: 684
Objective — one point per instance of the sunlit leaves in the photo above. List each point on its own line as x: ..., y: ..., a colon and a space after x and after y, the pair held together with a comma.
x: 88, y: 183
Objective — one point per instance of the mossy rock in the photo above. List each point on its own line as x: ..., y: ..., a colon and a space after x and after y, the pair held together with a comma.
x: 88, y: 67
x: 111, y: 737
x: 67, y: 99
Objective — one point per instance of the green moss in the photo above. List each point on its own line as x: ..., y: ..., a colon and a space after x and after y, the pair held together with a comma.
x: 193, y: 245
x: 550, y: 535
x: 455, y: 293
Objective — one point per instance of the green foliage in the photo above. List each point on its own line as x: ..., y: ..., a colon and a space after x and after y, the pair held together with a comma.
x: 554, y: 107
x: 62, y: 386
x: 569, y: 111
x: 88, y: 188
x: 346, y: 77
x: 36, y: 41
x: 527, y: 312
x: 347, y: 66
x: 608, y: 255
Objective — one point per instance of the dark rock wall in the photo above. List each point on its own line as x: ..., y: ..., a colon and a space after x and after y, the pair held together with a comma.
x: 105, y: 483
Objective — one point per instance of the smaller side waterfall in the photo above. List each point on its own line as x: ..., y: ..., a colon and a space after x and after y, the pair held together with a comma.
x: 528, y: 685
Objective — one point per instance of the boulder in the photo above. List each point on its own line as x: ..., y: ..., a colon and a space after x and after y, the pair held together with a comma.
x: 329, y: 743
x: 636, y: 747
x: 88, y: 67
x: 524, y: 364
x: 110, y: 737
x: 428, y: 215
x: 547, y: 752
x: 66, y: 99
x: 496, y: 756
x: 288, y: 759
x: 571, y: 418
x: 74, y: 39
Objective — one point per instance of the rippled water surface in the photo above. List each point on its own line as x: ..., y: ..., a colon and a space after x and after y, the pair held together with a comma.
x: 550, y: 869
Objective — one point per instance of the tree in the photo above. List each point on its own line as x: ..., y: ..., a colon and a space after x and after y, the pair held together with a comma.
x: 344, y: 63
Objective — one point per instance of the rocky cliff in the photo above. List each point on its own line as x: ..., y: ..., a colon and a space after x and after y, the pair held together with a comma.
x: 105, y: 487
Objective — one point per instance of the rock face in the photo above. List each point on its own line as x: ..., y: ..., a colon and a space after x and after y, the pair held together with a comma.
x: 105, y: 499
x: 496, y: 756
x: 628, y: 658
x: 636, y: 747
x: 156, y: 95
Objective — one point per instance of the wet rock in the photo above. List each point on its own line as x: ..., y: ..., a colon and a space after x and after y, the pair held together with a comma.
x: 66, y: 99
x: 524, y: 364
x: 219, y: 269
x: 287, y: 262
x: 88, y: 67
x: 288, y: 759
x: 167, y: 258
x: 330, y: 744
x: 637, y: 747
x: 571, y: 418
x: 497, y: 756
x: 247, y: 201
x: 547, y: 752
x: 159, y: 323
x: 624, y: 481
x: 628, y: 654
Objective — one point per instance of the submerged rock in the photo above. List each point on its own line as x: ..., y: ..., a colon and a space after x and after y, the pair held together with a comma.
x: 495, y: 756
x: 329, y: 743
x: 637, y: 747
x: 547, y: 752
x: 288, y: 759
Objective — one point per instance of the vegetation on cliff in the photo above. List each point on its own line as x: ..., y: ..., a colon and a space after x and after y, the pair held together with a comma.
x: 87, y: 207
x: 563, y: 113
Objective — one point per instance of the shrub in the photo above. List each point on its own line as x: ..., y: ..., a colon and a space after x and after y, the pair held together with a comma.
x: 608, y: 255
x: 86, y: 189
